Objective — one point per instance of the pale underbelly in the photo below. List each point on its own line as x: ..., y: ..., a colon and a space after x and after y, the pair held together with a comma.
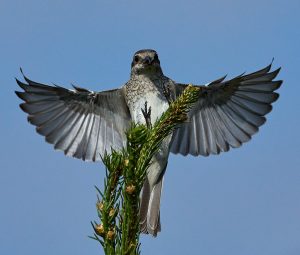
x: 158, y: 107
x: 157, y: 104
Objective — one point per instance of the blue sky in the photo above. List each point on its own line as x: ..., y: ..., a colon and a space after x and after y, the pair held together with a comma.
x: 242, y: 202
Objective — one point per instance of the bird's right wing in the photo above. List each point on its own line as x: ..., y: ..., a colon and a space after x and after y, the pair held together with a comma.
x: 80, y: 122
x: 227, y: 113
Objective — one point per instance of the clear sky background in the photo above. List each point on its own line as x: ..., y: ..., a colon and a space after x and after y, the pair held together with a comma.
x: 243, y: 202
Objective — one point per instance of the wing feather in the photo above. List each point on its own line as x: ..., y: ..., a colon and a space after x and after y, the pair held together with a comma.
x: 227, y: 113
x: 82, y: 123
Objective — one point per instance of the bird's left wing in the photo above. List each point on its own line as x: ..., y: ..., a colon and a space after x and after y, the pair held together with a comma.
x: 227, y: 113
x: 80, y: 122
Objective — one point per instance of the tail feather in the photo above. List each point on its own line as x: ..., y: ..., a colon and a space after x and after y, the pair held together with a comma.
x: 144, y: 206
x: 151, y: 194
x: 150, y: 208
x: 153, y: 214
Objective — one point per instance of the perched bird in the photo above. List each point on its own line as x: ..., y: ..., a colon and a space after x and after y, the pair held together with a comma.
x: 84, y: 123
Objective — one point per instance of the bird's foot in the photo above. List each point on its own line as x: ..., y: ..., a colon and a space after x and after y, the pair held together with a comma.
x: 147, y: 114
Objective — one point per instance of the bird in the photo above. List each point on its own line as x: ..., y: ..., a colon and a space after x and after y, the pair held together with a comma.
x: 84, y: 124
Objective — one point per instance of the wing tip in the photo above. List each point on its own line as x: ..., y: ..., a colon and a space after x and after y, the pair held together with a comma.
x: 23, y: 107
x: 276, y: 72
x: 20, y: 95
x: 24, y: 76
x: 279, y: 83
x: 276, y: 96
x: 21, y: 84
x: 218, y: 80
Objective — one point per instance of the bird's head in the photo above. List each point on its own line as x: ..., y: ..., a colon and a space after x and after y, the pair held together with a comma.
x: 146, y: 62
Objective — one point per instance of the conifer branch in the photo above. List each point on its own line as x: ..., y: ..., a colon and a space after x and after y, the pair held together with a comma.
x: 118, y: 205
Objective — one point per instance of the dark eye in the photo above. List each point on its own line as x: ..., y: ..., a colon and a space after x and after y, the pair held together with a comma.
x: 156, y: 57
x: 136, y: 59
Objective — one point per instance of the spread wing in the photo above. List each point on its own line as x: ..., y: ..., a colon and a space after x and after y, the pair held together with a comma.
x: 227, y: 113
x: 80, y: 122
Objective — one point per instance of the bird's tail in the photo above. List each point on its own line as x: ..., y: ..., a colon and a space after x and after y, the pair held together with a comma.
x: 150, y: 208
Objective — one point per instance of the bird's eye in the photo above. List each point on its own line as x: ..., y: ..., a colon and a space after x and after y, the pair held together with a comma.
x: 136, y: 59
x: 155, y: 57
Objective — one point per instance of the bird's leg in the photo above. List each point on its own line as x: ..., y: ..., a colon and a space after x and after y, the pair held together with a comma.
x: 147, y: 114
x: 167, y: 93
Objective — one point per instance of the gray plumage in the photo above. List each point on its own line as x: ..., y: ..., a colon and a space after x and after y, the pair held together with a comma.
x: 84, y: 123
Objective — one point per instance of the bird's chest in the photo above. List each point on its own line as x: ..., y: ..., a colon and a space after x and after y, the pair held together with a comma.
x: 150, y: 92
